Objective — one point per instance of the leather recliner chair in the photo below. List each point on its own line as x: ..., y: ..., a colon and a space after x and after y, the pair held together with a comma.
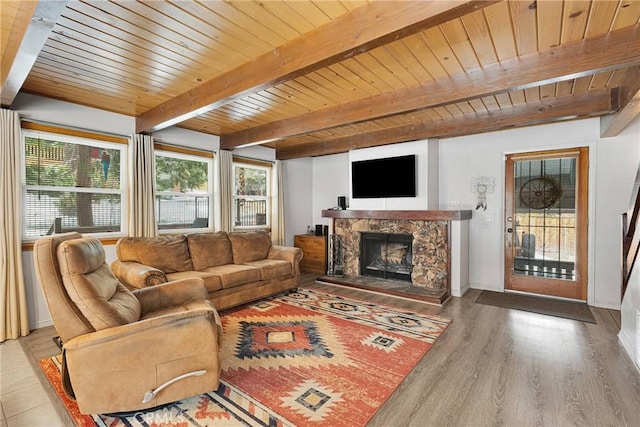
x: 123, y: 350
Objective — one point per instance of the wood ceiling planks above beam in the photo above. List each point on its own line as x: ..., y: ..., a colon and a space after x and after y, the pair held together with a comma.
x: 364, y: 28
x: 543, y: 111
x: 613, y: 51
x: 34, y: 36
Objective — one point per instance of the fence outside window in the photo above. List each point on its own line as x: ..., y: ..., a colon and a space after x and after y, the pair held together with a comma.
x: 250, y: 213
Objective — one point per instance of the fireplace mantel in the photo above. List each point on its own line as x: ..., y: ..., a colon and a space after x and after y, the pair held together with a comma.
x: 426, y: 215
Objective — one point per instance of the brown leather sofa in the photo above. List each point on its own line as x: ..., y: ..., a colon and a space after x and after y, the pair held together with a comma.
x: 236, y: 267
x: 123, y: 350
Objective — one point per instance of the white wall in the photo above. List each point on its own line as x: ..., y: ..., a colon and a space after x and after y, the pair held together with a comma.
x: 187, y: 138
x: 630, y: 308
x: 298, y: 203
x: 256, y: 152
x: 330, y: 179
x: 67, y: 114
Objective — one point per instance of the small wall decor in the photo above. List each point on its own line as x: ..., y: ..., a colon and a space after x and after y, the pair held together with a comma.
x: 482, y: 185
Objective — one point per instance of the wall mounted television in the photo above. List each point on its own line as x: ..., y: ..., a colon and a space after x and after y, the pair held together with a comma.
x: 385, y: 177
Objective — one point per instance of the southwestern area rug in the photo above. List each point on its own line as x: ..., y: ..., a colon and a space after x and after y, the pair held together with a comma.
x: 302, y: 359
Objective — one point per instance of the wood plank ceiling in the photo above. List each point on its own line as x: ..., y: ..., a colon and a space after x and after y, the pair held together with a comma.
x: 310, y: 77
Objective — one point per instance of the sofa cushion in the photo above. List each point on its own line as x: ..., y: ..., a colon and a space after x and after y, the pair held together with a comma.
x: 211, y: 281
x: 233, y: 275
x: 249, y: 246
x: 209, y: 249
x: 91, y: 285
x: 166, y: 253
x: 271, y: 268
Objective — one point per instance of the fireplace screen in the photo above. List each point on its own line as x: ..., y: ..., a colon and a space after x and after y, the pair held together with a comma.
x: 386, y: 255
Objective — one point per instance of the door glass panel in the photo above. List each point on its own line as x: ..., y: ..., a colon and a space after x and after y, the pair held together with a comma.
x: 545, y: 218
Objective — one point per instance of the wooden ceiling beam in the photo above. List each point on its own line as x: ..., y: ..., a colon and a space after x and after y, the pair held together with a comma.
x: 564, y: 108
x: 358, y: 31
x: 14, y: 72
x: 17, y: 20
x: 629, y: 104
x: 618, y: 49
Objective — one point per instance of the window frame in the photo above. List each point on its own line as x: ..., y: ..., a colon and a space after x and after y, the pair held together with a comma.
x: 261, y: 165
x: 193, y: 155
x: 86, y: 138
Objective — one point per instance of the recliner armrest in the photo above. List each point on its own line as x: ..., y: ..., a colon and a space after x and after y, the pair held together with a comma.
x: 189, y: 291
x: 177, y: 292
x: 106, y: 337
x: 136, y: 276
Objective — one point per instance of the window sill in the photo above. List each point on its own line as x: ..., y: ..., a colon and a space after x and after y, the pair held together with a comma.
x: 105, y: 240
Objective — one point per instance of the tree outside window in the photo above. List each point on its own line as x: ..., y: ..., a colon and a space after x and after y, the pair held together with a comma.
x: 183, y: 191
x: 71, y: 184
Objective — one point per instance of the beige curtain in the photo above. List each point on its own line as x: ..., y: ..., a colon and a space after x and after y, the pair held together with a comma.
x: 225, y: 168
x: 142, y: 212
x: 14, y: 318
x: 277, y: 228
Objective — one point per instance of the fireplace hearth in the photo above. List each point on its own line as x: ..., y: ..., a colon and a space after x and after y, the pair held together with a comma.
x: 386, y: 255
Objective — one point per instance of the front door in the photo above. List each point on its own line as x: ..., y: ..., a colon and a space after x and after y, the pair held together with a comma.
x: 546, y: 223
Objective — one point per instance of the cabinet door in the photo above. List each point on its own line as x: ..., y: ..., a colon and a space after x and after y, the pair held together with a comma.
x: 315, y: 257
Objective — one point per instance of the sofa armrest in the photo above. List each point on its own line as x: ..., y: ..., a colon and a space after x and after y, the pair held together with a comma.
x: 287, y: 253
x: 177, y: 292
x: 135, y: 275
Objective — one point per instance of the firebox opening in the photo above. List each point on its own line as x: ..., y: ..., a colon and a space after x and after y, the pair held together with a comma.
x: 386, y: 255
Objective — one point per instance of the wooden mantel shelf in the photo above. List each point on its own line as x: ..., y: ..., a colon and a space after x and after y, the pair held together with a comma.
x: 430, y: 215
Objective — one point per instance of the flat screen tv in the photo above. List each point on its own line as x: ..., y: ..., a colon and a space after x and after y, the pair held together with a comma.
x: 386, y: 177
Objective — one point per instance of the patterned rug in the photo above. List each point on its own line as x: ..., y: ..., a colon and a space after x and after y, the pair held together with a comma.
x: 305, y: 358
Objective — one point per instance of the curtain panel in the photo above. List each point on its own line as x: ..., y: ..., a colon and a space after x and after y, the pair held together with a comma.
x: 142, y: 199
x: 225, y: 167
x: 277, y: 227
x: 14, y: 317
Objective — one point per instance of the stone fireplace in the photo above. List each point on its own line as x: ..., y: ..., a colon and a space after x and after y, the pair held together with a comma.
x: 386, y: 255
x: 424, y: 253
x: 430, y: 247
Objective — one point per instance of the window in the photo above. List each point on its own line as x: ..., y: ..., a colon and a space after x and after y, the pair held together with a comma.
x: 251, y: 194
x: 72, y: 184
x: 183, y: 190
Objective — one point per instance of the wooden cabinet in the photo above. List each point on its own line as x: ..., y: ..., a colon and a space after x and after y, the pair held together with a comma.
x: 315, y: 253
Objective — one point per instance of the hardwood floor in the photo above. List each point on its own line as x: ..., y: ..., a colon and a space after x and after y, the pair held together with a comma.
x: 495, y: 366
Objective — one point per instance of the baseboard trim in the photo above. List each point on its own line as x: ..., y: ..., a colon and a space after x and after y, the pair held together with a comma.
x: 463, y: 290
x: 41, y: 324
x: 624, y: 341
